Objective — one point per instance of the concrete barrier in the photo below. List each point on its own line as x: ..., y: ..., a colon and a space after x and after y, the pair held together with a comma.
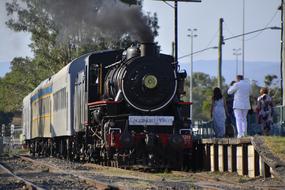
x: 234, y: 155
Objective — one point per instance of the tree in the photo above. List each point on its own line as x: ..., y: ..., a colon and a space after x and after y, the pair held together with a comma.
x: 271, y: 82
x: 268, y: 80
x: 202, y: 93
x: 63, y: 30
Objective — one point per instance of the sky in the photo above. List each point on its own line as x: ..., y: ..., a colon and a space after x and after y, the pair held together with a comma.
x: 12, y: 44
x: 205, y: 16
x: 260, y: 47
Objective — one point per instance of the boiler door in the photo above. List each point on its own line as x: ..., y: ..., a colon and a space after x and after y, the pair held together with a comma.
x: 149, y: 83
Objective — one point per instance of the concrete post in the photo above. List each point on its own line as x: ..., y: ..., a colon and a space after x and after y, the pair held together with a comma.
x: 264, y: 168
x: 223, y: 158
x: 214, y: 157
x: 242, y: 160
x: 253, y: 162
x: 232, y: 153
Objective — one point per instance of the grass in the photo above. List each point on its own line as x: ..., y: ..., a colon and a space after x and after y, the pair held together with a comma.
x: 276, y: 145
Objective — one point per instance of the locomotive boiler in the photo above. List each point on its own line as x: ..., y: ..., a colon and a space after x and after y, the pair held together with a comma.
x: 113, y: 107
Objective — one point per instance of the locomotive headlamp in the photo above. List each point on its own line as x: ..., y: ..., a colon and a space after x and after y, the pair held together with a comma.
x: 150, y: 81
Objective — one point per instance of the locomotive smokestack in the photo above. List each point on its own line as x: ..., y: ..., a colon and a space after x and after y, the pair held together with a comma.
x: 148, y: 49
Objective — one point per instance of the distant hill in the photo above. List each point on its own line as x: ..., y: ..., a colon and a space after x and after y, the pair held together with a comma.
x: 254, y: 70
x: 4, y: 68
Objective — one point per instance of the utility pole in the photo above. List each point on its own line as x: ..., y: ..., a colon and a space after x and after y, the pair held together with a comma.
x: 221, y: 42
x: 283, y: 52
x: 243, y: 28
x: 176, y: 26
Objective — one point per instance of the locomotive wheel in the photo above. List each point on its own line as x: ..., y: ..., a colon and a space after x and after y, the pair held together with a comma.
x: 114, y: 163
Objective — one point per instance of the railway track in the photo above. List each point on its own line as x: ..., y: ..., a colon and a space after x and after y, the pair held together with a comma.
x: 53, y: 173
x: 34, y: 174
x: 99, y: 176
x: 90, y: 181
x: 21, y: 183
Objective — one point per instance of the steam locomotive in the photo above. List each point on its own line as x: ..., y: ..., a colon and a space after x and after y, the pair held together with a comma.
x: 119, y: 107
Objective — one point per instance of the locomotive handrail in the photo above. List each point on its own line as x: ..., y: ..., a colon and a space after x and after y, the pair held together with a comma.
x: 103, y: 102
x: 115, y: 129
x: 117, y: 116
x: 112, y: 65
x: 182, y: 130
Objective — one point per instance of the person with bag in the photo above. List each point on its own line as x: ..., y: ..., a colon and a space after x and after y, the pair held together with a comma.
x: 264, y: 111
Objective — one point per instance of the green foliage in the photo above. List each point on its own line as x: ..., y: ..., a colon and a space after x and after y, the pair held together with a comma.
x: 203, y: 86
x: 271, y: 81
x: 268, y: 80
x: 276, y: 145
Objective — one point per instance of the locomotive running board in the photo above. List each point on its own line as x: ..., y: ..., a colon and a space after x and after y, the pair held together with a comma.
x: 103, y: 102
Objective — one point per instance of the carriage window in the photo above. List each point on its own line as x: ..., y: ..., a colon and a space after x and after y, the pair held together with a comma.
x: 59, y: 100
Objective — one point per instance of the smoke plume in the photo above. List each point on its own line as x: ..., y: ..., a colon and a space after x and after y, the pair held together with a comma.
x: 108, y: 17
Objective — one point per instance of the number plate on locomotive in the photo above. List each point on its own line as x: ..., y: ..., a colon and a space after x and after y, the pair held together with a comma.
x: 151, y: 120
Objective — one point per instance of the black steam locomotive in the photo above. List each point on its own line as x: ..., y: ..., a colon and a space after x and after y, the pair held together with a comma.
x: 115, y: 108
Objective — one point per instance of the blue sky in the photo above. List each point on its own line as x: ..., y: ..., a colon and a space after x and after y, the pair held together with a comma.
x: 205, y: 17
x: 12, y: 44
x: 260, y: 47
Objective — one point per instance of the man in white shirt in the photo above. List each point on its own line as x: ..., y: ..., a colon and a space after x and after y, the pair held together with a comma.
x: 241, y: 90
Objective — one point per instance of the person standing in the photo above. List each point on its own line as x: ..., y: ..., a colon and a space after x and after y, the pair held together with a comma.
x: 218, y: 112
x: 265, y: 110
x: 241, y: 90
x: 231, y: 130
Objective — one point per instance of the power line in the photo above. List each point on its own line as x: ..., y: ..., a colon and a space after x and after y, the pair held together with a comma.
x: 214, y: 37
x: 270, y: 21
x: 259, y: 33
x: 168, y: 4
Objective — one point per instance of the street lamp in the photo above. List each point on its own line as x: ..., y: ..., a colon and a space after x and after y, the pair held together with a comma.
x: 191, y: 35
x: 237, y: 53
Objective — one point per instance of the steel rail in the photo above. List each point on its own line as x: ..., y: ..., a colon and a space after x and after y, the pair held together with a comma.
x: 95, y: 183
x: 29, y: 184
